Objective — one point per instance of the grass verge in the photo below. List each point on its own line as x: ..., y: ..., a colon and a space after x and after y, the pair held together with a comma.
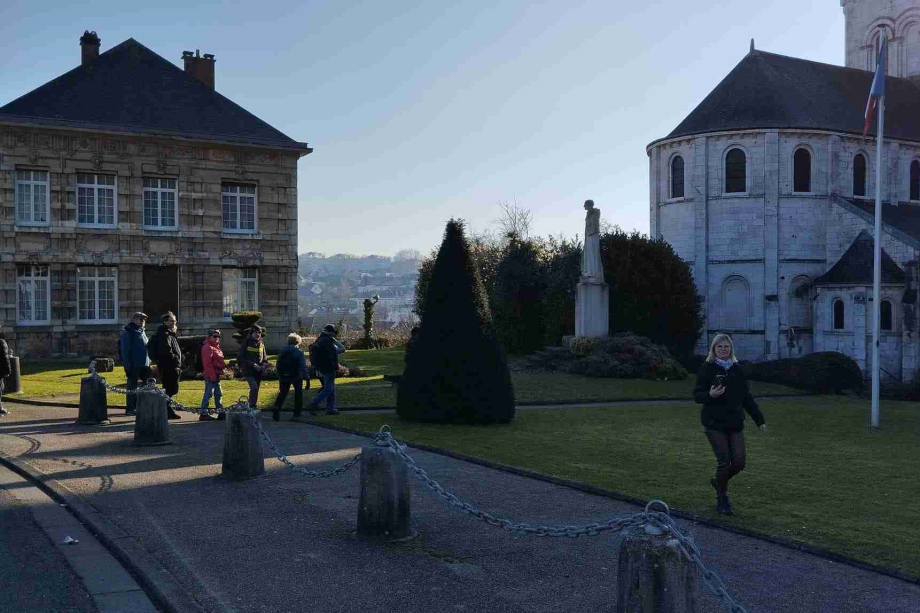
x: 820, y: 476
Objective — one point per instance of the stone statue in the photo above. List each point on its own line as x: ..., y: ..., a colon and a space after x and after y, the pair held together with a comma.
x: 592, y: 271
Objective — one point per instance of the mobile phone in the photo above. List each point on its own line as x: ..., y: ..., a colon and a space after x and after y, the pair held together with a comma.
x: 720, y: 380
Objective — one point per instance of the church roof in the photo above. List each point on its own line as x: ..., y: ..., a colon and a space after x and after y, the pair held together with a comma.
x: 129, y: 88
x: 904, y: 217
x: 770, y: 91
x: 856, y: 265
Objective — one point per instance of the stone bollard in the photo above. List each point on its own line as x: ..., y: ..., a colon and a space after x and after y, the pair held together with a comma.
x: 243, y: 457
x: 13, y: 382
x: 653, y: 576
x: 94, y: 408
x: 151, y: 426
x: 384, y: 509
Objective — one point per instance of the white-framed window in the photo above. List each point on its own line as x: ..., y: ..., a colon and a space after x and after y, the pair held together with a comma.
x: 32, y: 197
x: 97, y: 294
x: 33, y: 295
x: 96, y: 200
x: 241, y: 290
x: 239, y: 207
x: 160, y: 211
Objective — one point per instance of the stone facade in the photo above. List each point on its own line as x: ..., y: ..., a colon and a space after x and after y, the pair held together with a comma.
x: 201, y: 250
x: 898, y: 19
x: 750, y: 252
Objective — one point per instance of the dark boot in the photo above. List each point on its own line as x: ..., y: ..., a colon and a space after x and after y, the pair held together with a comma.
x: 171, y: 414
x: 276, y: 413
x: 724, y: 505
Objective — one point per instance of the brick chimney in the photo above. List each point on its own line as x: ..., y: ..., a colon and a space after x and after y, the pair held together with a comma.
x: 89, y: 47
x: 202, y: 68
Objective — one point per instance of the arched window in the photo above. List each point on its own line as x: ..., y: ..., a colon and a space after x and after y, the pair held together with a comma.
x: 736, y: 303
x: 735, y: 172
x: 799, y: 303
x: 885, y: 314
x: 915, y: 180
x: 838, y: 314
x: 859, y: 175
x: 877, y: 44
x: 801, y: 170
x: 677, y: 177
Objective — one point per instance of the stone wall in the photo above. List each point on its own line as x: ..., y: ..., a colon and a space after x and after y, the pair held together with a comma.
x: 199, y: 247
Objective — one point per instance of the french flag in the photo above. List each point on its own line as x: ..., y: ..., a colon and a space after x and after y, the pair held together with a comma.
x: 878, y: 85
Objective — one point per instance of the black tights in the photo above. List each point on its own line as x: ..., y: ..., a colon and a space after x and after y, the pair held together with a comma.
x: 728, y: 446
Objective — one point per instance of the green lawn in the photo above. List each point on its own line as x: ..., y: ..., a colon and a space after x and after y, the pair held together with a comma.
x: 61, y: 379
x: 819, y: 476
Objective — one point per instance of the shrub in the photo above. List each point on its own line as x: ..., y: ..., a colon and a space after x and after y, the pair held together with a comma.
x: 517, y: 297
x: 624, y: 356
x: 652, y: 292
x: 826, y: 372
x: 457, y: 369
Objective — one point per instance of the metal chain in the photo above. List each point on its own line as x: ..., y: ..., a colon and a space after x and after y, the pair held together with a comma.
x: 151, y: 386
x: 660, y: 520
x: 297, y: 469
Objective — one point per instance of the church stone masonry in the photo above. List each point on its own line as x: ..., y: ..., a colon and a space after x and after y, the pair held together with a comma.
x: 76, y: 260
x: 772, y: 205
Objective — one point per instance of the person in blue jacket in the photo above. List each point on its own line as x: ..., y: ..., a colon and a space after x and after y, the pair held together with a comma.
x: 292, y: 370
x: 132, y: 349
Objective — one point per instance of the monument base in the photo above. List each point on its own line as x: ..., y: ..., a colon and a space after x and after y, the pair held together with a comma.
x: 592, y: 310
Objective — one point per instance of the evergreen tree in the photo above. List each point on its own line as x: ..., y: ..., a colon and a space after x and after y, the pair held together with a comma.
x: 457, y: 370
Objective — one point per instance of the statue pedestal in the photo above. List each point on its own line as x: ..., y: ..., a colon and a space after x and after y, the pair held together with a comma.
x: 592, y: 310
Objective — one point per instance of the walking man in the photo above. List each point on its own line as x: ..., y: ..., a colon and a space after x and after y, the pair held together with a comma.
x: 132, y: 349
x: 169, y: 358
x: 5, y: 368
x: 324, y: 357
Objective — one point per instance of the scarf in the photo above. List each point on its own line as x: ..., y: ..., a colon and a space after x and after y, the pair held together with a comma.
x: 726, y: 364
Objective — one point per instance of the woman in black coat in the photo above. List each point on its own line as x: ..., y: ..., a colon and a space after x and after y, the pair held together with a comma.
x: 722, y: 389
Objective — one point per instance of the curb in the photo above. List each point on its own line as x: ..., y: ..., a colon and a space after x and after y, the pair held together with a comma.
x: 159, y: 584
x: 536, y: 403
x: 815, y: 550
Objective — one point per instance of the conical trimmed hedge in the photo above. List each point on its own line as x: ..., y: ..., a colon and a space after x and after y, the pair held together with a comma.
x: 456, y: 370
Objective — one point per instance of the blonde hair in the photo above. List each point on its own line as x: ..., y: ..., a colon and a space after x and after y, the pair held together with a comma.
x: 294, y: 339
x: 712, y: 348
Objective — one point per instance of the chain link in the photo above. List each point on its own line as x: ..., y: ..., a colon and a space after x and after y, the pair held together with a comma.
x: 660, y: 520
x: 297, y: 469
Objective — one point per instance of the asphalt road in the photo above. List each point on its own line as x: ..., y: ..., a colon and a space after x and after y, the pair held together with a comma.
x: 34, y: 576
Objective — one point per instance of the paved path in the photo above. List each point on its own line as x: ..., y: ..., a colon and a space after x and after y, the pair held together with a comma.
x: 285, y: 543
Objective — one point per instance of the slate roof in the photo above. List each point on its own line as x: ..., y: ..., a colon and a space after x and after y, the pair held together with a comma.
x: 856, y: 265
x: 904, y: 217
x: 129, y: 88
x: 770, y: 91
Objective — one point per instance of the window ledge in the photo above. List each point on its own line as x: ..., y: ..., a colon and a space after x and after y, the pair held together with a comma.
x: 679, y: 200
x: 250, y: 233
x: 161, y: 229
x: 34, y: 326
x: 30, y: 224
x: 96, y: 226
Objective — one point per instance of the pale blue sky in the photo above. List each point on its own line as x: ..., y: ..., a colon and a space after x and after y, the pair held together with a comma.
x: 419, y: 111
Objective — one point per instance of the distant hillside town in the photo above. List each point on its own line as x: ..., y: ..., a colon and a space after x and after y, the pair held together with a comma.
x: 333, y: 289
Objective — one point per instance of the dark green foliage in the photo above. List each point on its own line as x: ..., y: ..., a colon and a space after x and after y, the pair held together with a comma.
x: 651, y: 291
x: 517, y: 297
x: 826, y: 372
x: 457, y: 369
x: 625, y: 356
x: 562, y: 269
x: 242, y: 321
x: 425, y: 268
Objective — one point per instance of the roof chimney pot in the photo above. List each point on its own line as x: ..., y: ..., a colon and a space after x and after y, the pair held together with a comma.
x: 202, y: 68
x: 89, y: 47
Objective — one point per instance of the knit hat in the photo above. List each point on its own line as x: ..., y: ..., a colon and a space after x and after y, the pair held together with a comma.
x: 329, y: 329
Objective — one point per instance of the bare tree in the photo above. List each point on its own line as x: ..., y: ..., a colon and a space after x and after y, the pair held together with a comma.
x: 515, y: 220
x: 407, y: 254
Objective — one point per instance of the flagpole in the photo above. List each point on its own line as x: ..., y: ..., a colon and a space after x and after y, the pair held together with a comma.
x: 877, y: 271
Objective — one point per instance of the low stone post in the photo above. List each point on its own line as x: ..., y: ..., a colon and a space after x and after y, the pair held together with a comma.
x: 94, y: 408
x: 243, y: 457
x: 384, y: 509
x: 151, y: 426
x: 653, y: 576
x: 13, y: 382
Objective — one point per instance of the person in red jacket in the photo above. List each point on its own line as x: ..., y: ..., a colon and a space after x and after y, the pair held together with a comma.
x: 212, y: 357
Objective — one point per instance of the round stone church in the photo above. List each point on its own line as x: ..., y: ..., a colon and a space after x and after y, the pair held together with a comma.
x: 767, y: 190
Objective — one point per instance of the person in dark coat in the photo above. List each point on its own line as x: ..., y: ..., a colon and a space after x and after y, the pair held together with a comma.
x: 132, y: 349
x: 292, y: 371
x: 169, y: 357
x: 722, y: 389
x: 5, y: 368
x: 327, y: 350
x: 252, y: 361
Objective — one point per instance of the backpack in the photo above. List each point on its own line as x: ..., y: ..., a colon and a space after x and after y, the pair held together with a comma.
x: 288, y: 365
x: 319, y: 358
x: 153, y: 344
x: 199, y: 361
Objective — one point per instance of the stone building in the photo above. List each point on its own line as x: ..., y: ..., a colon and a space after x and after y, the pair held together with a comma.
x: 767, y: 190
x: 128, y: 184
